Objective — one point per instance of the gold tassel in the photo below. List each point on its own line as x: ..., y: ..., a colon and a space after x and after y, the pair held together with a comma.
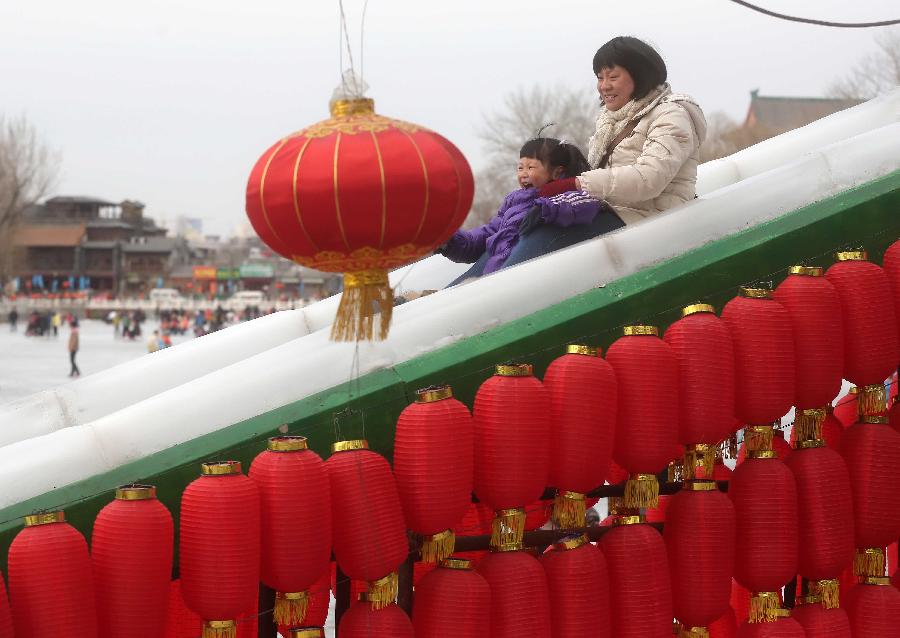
x: 758, y: 438
x: 437, y: 547
x: 290, y: 607
x: 829, y: 590
x: 693, y: 632
x: 219, y: 629
x: 733, y: 446
x: 508, y: 527
x: 699, y: 460
x: 808, y: 425
x: 641, y: 490
x: 764, y: 607
x: 383, y: 592
x: 569, y: 510
x: 872, y: 400
x: 366, y: 294
x: 869, y: 562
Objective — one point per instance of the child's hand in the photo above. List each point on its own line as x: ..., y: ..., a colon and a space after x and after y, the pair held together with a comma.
x: 531, y: 220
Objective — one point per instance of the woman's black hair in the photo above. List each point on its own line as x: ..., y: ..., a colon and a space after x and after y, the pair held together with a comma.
x: 642, y: 61
x: 552, y: 153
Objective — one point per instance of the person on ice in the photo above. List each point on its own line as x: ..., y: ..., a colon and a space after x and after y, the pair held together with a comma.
x: 537, y: 218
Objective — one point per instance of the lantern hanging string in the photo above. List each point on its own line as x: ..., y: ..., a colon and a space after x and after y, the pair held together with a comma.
x: 358, y: 86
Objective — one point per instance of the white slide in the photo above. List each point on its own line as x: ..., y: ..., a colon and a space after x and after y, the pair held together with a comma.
x: 749, y: 187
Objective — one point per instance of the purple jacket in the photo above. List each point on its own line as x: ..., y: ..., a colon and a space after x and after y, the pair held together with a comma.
x: 499, y: 236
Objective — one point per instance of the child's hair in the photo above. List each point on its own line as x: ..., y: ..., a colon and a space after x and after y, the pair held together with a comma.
x: 552, y: 153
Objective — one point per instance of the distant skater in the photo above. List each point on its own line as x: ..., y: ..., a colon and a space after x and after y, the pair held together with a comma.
x: 73, y: 349
x: 13, y: 319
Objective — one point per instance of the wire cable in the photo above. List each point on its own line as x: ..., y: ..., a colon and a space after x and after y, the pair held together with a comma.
x: 821, y: 23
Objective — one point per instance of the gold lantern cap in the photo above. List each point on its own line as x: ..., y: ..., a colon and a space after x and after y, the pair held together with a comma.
x: 633, y: 519
x: 307, y: 632
x: 755, y: 292
x: 220, y: 468
x: 135, y: 492
x: 588, y: 351
x: 640, y: 329
x: 807, y: 271
x: 877, y: 580
x: 434, y: 393
x: 287, y: 444
x: 456, y: 563
x: 346, y: 446
x: 573, y: 541
x: 354, y: 106
x: 851, y: 255
x: 514, y: 370
x: 508, y: 547
x: 45, y: 518
x: 695, y: 308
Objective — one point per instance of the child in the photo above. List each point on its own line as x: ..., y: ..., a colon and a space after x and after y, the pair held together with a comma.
x: 547, y: 195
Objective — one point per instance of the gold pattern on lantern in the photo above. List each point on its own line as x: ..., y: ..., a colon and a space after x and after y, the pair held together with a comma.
x: 287, y: 444
x: 851, y: 255
x: 362, y: 259
x: 135, y: 492
x: 588, y: 351
x: 437, y: 547
x: 637, y: 330
x: 764, y: 607
x: 571, y: 542
x: 828, y: 591
x: 569, y: 510
x: 508, y: 527
x: 808, y: 425
x: 456, y: 563
x: 45, y: 518
x: 750, y: 292
x: 220, y: 468
x: 307, y: 632
x: 700, y: 486
x: 693, y: 632
x: 344, y: 446
x: 876, y: 580
x: 869, y: 562
x: 383, y: 592
x: 872, y: 400
x: 434, y: 394
x: 693, y: 309
x: 807, y: 271
x: 630, y: 519
x: 508, y: 547
x: 758, y: 437
x: 699, y: 461
x: 290, y: 607
x: 642, y: 491
x: 219, y: 629
x: 514, y: 370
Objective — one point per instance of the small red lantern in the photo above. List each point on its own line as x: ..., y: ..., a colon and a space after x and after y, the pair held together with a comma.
x: 50, y: 581
x: 764, y: 494
x: 764, y: 355
x: 703, y: 347
x: 295, y: 515
x: 699, y: 535
x: 131, y: 552
x: 453, y: 600
x: 519, y: 593
x: 583, y: 394
x: 219, y: 544
x: 373, y: 546
x: 819, y: 622
x: 511, y: 418
x: 433, y: 465
x: 814, y: 307
x: 639, y: 581
x: 870, y: 325
x: 374, y: 621
x: 579, y: 588
x: 874, y: 609
x: 359, y: 193
x: 647, y: 421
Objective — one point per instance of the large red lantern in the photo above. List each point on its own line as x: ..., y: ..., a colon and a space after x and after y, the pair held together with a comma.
x: 374, y: 621
x: 639, y: 582
x: 579, y: 588
x: 583, y: 395
x: 705, y: 353
x: 50, y: 581
x: 699, y: 535
x: 453, y: 600
x: 511, y: 418
x: 819, y: 622
x: 295, y: 516
x: 764, y: 356
x: 870, y: 324
x: 359, y: 193
x: 367, y: 547
x: 519, y: 593
x: 219, y: 545
x: 874, y: 609
x: 647, y: 420
x: 6, y: 623
x: 433, y: 459
x: 825, y: 515
x: 131, y: 552
x: 764, y: 494
x: 814, y: 308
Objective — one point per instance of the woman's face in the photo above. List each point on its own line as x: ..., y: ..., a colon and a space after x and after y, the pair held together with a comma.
x: 616, y: 87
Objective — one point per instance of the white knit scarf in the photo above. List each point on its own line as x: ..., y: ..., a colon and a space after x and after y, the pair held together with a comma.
x: 611, y: 123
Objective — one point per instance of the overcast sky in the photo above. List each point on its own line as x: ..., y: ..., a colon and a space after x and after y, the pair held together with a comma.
x: 172, y: 101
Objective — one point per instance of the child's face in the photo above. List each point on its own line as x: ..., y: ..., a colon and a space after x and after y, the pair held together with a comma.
x: 520, y: 172
x: 533, y: 174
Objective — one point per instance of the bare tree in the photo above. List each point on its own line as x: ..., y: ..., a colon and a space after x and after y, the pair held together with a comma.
x: 876, y: 73
x: 28, y: 169
x: 525, y: 111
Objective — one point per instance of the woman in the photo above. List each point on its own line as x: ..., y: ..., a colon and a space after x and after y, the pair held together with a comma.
x: 646, y: 148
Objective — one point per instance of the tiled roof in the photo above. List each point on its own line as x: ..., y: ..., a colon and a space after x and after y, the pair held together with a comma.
x: 788, y: 113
